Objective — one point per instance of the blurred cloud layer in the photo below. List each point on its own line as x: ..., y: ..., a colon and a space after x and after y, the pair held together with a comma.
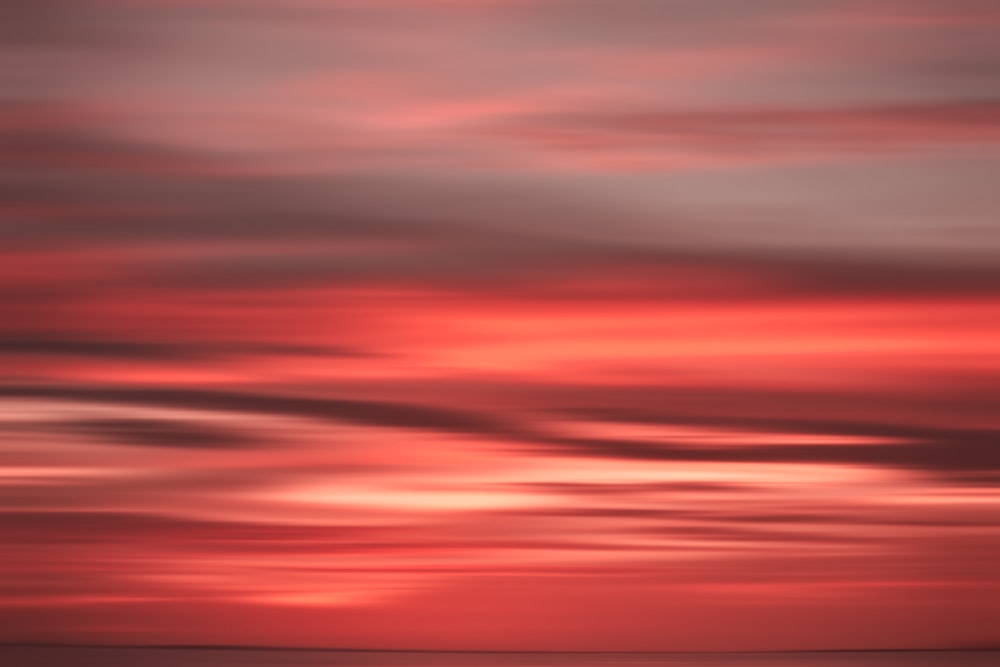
x: 519, y: 324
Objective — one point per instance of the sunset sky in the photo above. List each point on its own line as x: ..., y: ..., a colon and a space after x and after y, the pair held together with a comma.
x: 501, y: 324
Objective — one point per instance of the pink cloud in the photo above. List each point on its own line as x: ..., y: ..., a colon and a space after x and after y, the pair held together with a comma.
x: 370, y: 322
x: 685, y: 139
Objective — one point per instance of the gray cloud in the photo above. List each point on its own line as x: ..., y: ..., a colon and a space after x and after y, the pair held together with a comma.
x: 44, y: 346
x: 377, y: 413
x: 162, y: 433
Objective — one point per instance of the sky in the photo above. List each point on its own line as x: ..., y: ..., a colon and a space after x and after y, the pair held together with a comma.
x: 501, y: 324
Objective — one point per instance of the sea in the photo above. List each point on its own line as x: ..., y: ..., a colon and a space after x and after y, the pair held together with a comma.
x: 61, y: 656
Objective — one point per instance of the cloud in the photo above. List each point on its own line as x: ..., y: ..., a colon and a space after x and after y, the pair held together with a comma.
x: 149, y: 432
x: 152, y: 351
x: 709, y: 138
x: 379, y: 413
x: 549, y: 323
x: 944, y: 453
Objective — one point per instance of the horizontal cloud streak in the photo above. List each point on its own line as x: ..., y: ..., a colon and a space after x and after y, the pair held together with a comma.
x: 710, y: 138
x: 597, y: 325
